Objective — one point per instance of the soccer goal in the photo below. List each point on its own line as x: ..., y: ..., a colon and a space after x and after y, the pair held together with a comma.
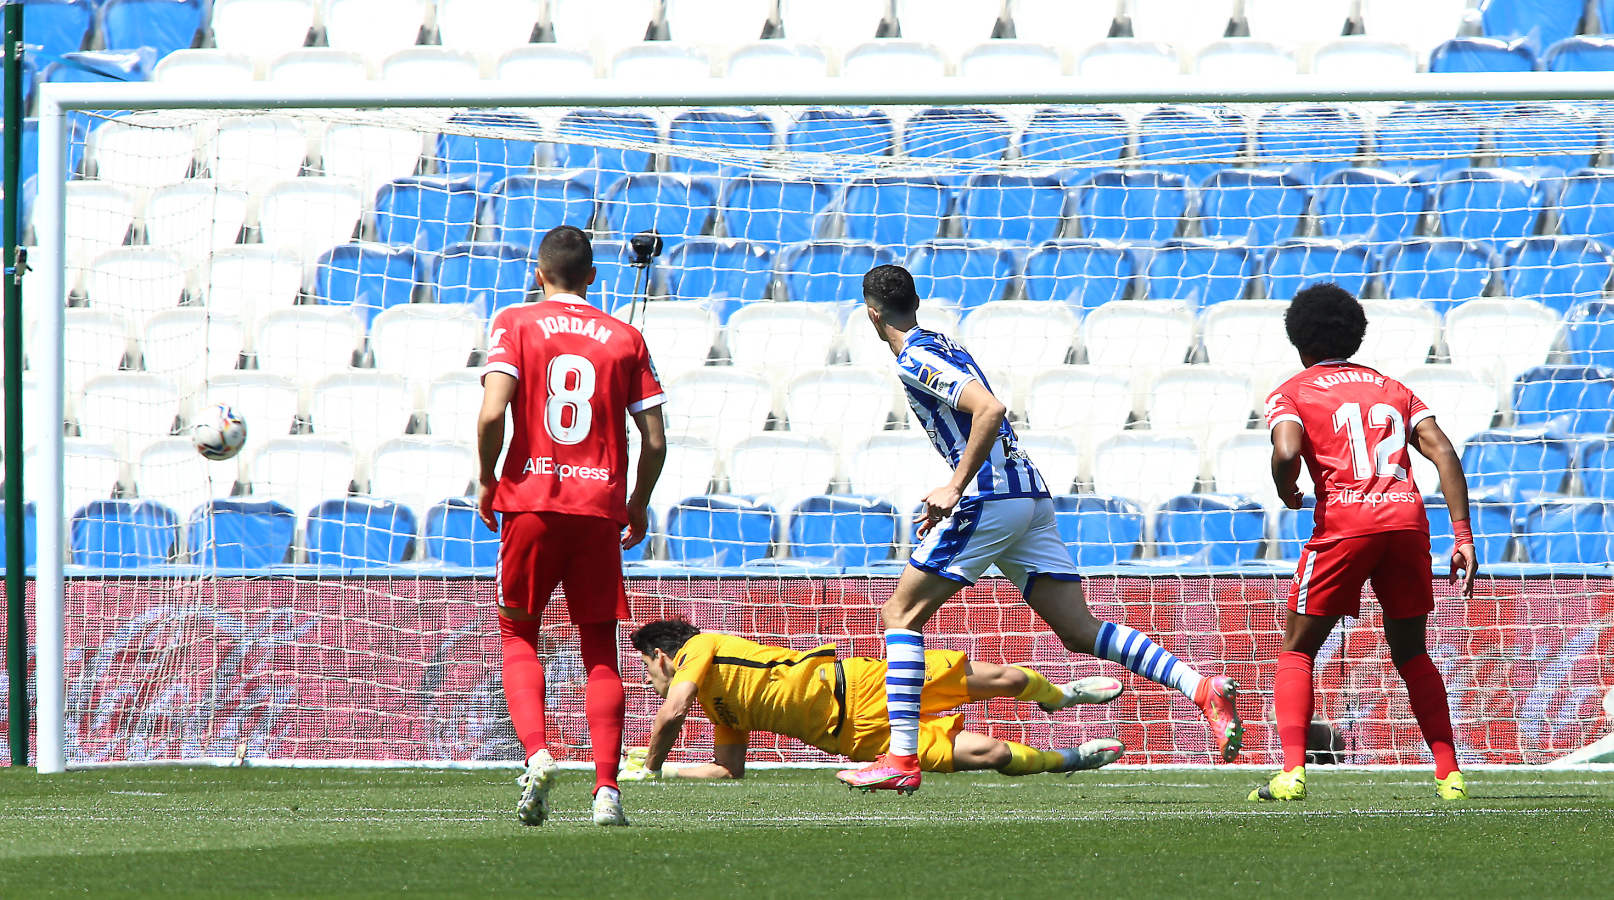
x: 326, y: 264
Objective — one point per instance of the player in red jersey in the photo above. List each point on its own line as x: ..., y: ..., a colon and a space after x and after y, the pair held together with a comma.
x: 1352, y: 426
x: 570, y: 375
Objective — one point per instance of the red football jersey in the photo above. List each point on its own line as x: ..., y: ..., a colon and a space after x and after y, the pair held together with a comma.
x: 1357, y: 423
x: 579, y: 373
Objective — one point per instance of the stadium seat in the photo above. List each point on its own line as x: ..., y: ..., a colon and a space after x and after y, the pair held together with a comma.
x: 727, y: 271
x: 1516, y: 463
x: 239, y: 533
x: 123, y: 534
x: 1246, y: 333
x: 366, y: 277
x: 864, y: 132
x: 843, y: 531
x: 772, y: 211
x: 1301, y: 262
x: 162, y: 25
x: 1210, y: 403
x: 1098, y: 530
x: 427, y: 212
x: 1021, y: 338
x: 780, y: 468
x: 888, y: 60
x: 94, y: 341
x: 957, y: 135
x: 836, y: 24
x: 455, y: 535
x: 688, y: 472
x: 140, y: 157
x: 261, y: 28
x: 1309, y: 142
x: 1444, y: 272
x: 1566, y: 530
x: 949, y: 24
x: 1242, y: 465
x: 1567, y: 399
x: 302, y: 470
x: 1548, y: 140
x: 361, y: 408
x: 99, y: 67
x: 1246, y: 58
x: 1594, y: 467
x: 1580, y: 53
x: 777, y: 61
x: 863, y: 348
x: 962, y: 272
x: 308, y: 215
x: 1217, y: 529
x: 1023, y: 209
x: 420, y: 472
x: 247, y: 280
x: 1199, y: 272
x: 1589, y: 334
x: 1493, y: 205
x: 1185, y: 23
x: 602, y: 26
x: 318, y: 66
x: 1257, y: 207
x: 1422, y: 25
x: 374, y: 28
x: 660, y: 62
x: 488, y: 147
x: 718, y: 405
x: 679, y: 334
x: 452, y: 402
x: 58, y: 26
x: 1369, y: 205
x: 90, y: 471
x: 358, y: 532
x: 1145, y: 467
x: 616, y: 278
x: 305, y: 342
x: 1586, y: 204
x: 203, y: 68
x: 1537, y: 23
x: 1131, y: 206
x: 419, y: 340
x: 1083, y: 139
x: 895, y: 211
x: 1464, y: 405
x: 1294, y: 529
x: 521, y: 209
x: 1558, y: 272
x: 1492, y: 524
x: 545, y: 64
x: 582, y: 134
x: 99, y: 216
x: 1348, y: 57
x: 828, y: 271
x: 1089, y: 402
x: 1003, y: 60
x: 487, y: 28
x: 189, y: 345
x: 371, y: 155
x: 1399, y: 335
x: 1059, y: 459
x: 900, y: 467
x: 840, y: 405
x: 781, y: 339
x: 438, y: 67
x: 252, y: 152
x: 1481, y: 54
x: 169, y: 472
x: 1500, y: 337
x: 1082, y: 272
x: 738, y: 140
x: 269, y: 403
x: 486, y: 277
x: 719, y: 531
x: 1063, y: 22
x: 674, y: 206
x: 137, y: 282
x: 1144, y: 334
x: 128, y: 409
x: 1423, y: 139
x: 1126, y: 60
x: 1297, y: 23
x: 193, y: 218
x: 1170, y: 136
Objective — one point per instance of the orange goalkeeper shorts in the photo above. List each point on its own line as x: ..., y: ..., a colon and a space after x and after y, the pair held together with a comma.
x: 867, y: 732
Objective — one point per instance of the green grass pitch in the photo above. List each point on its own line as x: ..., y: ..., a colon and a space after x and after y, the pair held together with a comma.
x: 793, y: 833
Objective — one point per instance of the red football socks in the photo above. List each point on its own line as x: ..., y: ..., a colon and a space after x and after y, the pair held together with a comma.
x: 1291, y: 701
x: 603, y: 701
x: 524, y: 682
x: 1427, y: 691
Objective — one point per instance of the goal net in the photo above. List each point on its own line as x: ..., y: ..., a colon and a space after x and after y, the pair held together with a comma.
x: 1119, y: 270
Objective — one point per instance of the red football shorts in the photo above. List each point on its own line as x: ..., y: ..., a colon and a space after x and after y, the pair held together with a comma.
x: 540, y: 550
x: 1329, y: 579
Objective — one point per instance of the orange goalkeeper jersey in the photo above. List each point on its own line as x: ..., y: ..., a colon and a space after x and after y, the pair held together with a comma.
x: 744, y: 686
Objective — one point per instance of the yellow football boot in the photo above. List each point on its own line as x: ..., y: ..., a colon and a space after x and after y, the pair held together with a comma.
x: 1290, y: 785
x: 1452, y: 787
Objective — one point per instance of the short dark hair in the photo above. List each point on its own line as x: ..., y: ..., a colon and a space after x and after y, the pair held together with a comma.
x: 890, y: 290
x: 666, y: 635
x: 565, y: 256
x: 1325, y: 322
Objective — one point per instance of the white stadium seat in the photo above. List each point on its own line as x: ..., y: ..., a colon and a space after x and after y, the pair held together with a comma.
x: 371, y: 155
x: 717, y: 26
x: 269, y: 404
x: 171, y: 472
x: 250, y: 153
x: 91, y: 470
x: 1500, y: 338
x: 189, y: 345
x: 1062, y: 22
x: 1423, y: 25
x: 302, y: 471
x: 361, y: 408
x: 777, y: 61
x: 98, y: 218
x: 898, y: 466
x: 1187, y: 24
x: 128, y: 410
x: 310, y: 215
x: 1145, y: 334
x: 452, y: 402
x: 656, y: 61
x: 307, y: 342
x: 781, y: 340
x: 1129, y: 59
x: 374, y: 28
x: 193, y: 218
x: 840, y: 405
x: 885, y: 61
x: 1145, y: 467
x: 1242, y: 464
x: 249, y: 280
x: 140, y: 155
x: 864, y: 347
x: 205, y: 68
x: 95, y: 341
x: 951, y: 25
x: 833, y: 24
x: 424, y: 66
x: 1210, y: 403
x: 1464, y: 404
x: 1089, y: 403
x: 717, y: 405
x: 136, y: 281
x: 1243, y: 58
x: 421, y: 472
x: 420, y: 340
x: 318, y: 66
x: 487, y: 27
x: 1400, y: 334
x: 1004, y: 60
x: 1288, y: 22
x: 545, y: 64
x: 680, y: 334
x: 1058, y: 457
x: 262, y: 27
x: 690, y: 467
x: 1349, y: 57
x: 1250, y: 334
x: 1022, y: 338
x: 601, y: 26
x: 781, y: 468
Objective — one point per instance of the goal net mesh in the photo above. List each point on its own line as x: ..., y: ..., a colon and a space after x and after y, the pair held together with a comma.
x: 1120, y: 272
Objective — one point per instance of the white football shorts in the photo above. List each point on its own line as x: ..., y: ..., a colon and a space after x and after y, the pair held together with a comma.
x: 1016, y: 533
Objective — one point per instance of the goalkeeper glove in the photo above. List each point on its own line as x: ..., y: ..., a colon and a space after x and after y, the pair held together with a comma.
x: 634, y: 769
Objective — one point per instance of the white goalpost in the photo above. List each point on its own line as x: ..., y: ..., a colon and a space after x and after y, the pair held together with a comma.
x: 327, y: 262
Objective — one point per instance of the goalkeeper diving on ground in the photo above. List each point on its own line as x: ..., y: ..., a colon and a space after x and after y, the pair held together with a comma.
x: 838, y: 705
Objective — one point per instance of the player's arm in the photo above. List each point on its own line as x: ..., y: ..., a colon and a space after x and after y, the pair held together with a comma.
x: 1286, y: 442
x: 1431, y: 441
x: 498, y: 388
x: 986, y: 414
x: 728, y: 761
x: 669, y: 723
x: 652, y: 456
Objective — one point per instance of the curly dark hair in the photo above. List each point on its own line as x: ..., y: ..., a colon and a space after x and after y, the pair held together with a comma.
x: 1325, y: 322
x: 666, y: 635
x: 890, y: 290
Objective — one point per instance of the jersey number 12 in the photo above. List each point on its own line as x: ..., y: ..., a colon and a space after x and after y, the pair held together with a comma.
x: 1349, y: 418
x: 562, y: 369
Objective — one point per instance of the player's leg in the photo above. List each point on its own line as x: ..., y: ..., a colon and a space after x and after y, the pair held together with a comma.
x: 984, y: 681
x: 596, y: 600
x: 1407, y: 596
x: 975, y: 752
x: 526, y: 578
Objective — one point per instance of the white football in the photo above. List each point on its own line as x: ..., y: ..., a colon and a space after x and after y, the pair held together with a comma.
x: 219, y: 433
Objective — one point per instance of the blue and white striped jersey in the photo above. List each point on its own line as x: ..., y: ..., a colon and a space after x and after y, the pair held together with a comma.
x: 934, y: 370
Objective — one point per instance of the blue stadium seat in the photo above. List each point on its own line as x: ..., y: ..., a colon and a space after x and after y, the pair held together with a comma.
x: 1098, y: 530
x: 240, y: 534
x: 1326, y: 137
x: 1534, y: 137
x: 894, y: 211
x: 1560, y: 272
x: 455, y: 535
x: 1199, y: 271
x: 1589, y: 334
x: 608, y: 164
x: 96, y: 67
x: 773, y: 211
x: 1171, y: 135
x: 1075, y: 138
x: 1538, y: 23
x: 1565, y: 530
x: 57, y: 26
x: 1516, y: 462
x: 702, y: 268
x: 1586, y: 204
x: 1421, y: 138
x: 1227, y: 528
x: 962, y: 272
x: 487, y: 276
x: 30, y: 528
x: 356, y: 532
x: 956, y: 134
x: 427, y: 212
x: 1594, y: 464
x: 505, y: 145
x: 1481, y: 54
x: 829, y: 271
x: 615, y: 276
x: 162, y: 25
x: 1301, y: 262
x: 30, y: 154
x: 1370, y: 205
x: 866, y: 132
x: 674, y: 206
x: 1491, y: 521
x: 1588, y: 53
x: 747, y: 134
x: 1567, y: 399
x: 1024, y: 209
x: 523, y: 208
x: 370, y: 277
x: 123, y: 534
x: 1295, y: 527
x: 1132, y: 206
x: 1442, y: 271
x: 843, y: 531
x: 1494, y: 205
x: 1083, y: 272
x: 719, y: 531
x: 1255, y: 206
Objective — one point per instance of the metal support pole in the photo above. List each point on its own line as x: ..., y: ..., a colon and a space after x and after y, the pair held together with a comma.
x: 16, y: 582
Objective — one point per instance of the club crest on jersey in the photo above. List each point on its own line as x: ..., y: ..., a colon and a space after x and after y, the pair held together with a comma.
x: 929, y: 376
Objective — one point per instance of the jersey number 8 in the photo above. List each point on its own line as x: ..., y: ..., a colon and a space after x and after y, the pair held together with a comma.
x: 577, y: 370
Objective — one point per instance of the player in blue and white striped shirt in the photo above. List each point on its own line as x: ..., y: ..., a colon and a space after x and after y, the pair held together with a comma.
x: 995, y: 509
